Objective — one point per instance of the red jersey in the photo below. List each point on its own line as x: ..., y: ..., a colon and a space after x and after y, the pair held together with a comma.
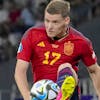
x: 46, y: 54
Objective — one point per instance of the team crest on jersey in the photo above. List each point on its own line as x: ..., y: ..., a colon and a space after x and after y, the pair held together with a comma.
x: 20, y: 48
x: 68, y: 48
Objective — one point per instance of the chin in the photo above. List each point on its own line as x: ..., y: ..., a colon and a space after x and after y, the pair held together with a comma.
x: 51, y: 36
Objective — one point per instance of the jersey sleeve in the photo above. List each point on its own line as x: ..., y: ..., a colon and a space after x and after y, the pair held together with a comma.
x: 88, y: 54
x: 25, y: 47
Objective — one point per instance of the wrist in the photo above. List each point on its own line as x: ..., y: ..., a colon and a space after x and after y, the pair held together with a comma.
x: 27, y: 96
x: 98, y: 96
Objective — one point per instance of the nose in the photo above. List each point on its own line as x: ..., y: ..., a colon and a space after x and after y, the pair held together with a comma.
x: 50, y: 26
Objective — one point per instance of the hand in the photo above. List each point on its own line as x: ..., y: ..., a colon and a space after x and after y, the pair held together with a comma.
x: 28, y: 97
x: 99, y: 97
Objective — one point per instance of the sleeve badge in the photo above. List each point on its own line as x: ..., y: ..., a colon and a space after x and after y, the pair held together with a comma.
x: 20, y: 48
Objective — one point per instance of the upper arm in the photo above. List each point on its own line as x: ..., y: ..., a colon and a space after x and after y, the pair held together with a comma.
x: 21, y: 66
x: 88, y: 55
x: 25, y: 47
x: 93, y: 68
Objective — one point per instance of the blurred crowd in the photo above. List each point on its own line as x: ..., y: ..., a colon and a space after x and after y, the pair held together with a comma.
x: 16, y: 16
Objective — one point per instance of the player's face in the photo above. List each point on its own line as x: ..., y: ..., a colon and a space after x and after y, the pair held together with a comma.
x: 55, y: 24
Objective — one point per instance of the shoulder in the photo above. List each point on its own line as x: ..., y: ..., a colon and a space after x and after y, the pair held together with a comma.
x: 78, y: 36
x: 34, y: 32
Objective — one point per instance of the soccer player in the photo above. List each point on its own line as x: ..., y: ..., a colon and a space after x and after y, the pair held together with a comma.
x: 50, y: 47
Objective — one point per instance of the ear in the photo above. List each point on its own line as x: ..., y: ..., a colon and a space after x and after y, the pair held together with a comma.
x: 67, y: 20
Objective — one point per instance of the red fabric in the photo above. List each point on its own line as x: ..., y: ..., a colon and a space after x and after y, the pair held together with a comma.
x: 46, y: 55
x: 14, y: 15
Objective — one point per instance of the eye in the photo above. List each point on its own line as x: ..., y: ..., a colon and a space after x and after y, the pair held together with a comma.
x: 55, y: 22
x: 46, y: 20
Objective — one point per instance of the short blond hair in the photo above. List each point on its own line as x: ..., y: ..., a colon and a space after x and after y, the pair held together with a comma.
x: 59, y: 7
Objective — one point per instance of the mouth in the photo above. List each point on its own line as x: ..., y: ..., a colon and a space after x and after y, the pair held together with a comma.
x: 51, y: 31
x: 50, y: 34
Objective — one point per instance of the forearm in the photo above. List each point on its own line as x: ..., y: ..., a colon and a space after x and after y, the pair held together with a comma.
x: 22, y: 84
x: 96, y: 81
x: 96, y: 84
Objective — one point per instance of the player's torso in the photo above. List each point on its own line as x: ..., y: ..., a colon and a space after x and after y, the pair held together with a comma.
x: 48, y: 54
x: 53, y: 54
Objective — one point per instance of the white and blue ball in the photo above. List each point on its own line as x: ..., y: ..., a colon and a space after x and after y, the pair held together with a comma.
x: 44, y: 90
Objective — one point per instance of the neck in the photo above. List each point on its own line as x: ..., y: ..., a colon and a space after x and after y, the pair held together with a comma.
x: 62, y: 35
x: 59, y: 37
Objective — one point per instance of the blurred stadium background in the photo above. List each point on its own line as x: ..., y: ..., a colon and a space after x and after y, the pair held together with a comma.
x: 16, y: 16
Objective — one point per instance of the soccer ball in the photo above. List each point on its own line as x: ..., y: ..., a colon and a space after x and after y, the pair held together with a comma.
x: 44, y: 90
